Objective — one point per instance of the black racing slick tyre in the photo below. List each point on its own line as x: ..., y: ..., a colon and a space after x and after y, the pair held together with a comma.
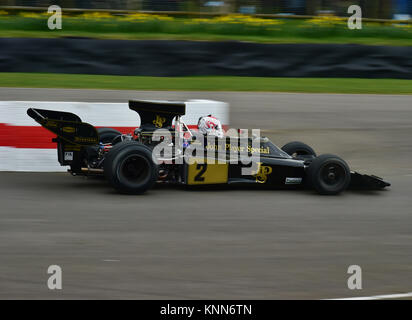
x: 298, y: 150
x: 106, y: 135
x: 328, y: 174
x: 129, y: 168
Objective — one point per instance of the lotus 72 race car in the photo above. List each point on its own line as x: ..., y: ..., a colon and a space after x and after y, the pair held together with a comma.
x: 164, y: 150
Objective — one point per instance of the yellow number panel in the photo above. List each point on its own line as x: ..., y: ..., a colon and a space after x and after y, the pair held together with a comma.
x: 207, y: 173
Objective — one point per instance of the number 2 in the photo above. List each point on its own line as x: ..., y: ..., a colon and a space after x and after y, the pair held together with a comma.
x: 202, y: 168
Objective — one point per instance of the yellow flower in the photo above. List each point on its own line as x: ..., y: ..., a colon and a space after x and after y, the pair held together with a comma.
x: 246, y: 20
x: 144, y: 17
x: 30, y: 15
x: 3, y: 13
x: 201, y: 20
x: 325, y: 21
x: 95, y: 15
x: 403, y: 26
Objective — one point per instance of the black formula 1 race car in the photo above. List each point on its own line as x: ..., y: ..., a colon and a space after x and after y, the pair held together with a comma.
x: 131, y: 165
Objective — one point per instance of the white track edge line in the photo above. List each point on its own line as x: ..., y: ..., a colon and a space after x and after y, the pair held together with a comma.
x: 379, y: 297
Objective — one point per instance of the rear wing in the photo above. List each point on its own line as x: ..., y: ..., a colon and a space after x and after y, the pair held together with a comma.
x: 67, y: 126
x: 157, y: 114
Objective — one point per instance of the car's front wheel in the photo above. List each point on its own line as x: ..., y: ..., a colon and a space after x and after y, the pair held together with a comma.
x: 328, y: 174
x: 106, y: 135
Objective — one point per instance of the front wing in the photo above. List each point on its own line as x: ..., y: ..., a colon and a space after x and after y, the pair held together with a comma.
x: 366, y: 182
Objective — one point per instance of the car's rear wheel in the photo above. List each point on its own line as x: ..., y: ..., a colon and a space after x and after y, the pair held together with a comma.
x: 328, y: 174
x: 106, y: 135
x: 130, y: 169
x: 298, y: 150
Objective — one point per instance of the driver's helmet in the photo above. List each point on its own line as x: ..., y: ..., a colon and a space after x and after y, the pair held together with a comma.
x: 210, y: 125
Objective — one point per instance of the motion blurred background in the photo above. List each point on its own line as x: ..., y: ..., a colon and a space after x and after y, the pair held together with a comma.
x: 372, y: 8
x: 289, y: 59
x: 303, y: 39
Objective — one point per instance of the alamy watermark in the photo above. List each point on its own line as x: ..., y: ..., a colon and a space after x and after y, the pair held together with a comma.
x: 55, y: 20
x: 355, y: 20
x: 355, y: 280
x: 237, y: 147
x: 55, y: 281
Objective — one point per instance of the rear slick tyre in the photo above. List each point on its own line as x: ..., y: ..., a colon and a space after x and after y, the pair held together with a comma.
x: 130, y: 168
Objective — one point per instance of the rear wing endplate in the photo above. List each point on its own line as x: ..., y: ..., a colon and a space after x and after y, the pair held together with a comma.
x: 66, y: 126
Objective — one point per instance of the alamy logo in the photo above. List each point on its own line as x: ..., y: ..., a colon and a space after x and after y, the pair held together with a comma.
x: 55, y: 20
x: 355, y: 280
x: 235, y: 148
x: 55, y: 281
x: 355, y: 20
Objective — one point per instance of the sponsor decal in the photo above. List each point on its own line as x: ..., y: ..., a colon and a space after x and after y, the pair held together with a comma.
x: 86, y: 140
x: 69, y: 129
x: 293, y: 181
x: 262, y: 173
x: 159, y: 121
x: 50, y: 123
x: 236, y: 148
x: 68, y: 156
x: 248, y: 151
x: 72, y: 147
x: 263, y: 150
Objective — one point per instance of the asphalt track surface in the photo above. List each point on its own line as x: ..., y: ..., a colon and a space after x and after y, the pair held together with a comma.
x: 235, y: 244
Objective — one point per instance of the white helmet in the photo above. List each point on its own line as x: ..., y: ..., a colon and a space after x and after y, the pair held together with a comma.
x: 210, y: 125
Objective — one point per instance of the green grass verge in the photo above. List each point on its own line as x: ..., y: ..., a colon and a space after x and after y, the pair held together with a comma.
x: 220, y: 83
x: 377, y: 41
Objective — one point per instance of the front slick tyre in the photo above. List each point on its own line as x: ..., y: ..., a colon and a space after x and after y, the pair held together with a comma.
x: 106, y: 135
x: 298, y: 150
x: 328, y: 174
x: 130, y: 169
